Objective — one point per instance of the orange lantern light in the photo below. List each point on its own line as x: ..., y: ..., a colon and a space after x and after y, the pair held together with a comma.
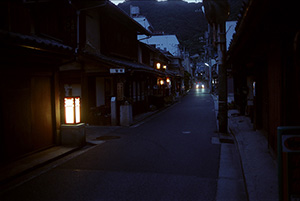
x: 72, y: 110
x: 158, y: 66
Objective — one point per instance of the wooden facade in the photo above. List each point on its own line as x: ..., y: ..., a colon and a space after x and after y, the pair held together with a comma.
x: 30, y: 53
x: 264, y: 57
x: 53, y: 49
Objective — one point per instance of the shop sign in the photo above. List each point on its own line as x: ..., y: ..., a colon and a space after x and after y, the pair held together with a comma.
x: 117, y: 70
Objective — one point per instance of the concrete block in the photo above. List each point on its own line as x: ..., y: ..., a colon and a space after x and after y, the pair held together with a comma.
x: 126, y: 118
x: 73, y: 135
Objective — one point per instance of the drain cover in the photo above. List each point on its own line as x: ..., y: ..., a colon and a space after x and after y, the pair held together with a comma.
x: 108, y: 137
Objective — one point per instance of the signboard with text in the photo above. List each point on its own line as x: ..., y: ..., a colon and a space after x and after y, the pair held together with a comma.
x: 117, y: 70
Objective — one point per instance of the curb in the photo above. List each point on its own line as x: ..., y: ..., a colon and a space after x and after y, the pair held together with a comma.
x: 237, y: 144
x: 231, y: 136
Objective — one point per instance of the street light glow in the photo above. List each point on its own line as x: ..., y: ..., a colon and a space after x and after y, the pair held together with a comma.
x: 157, y: 66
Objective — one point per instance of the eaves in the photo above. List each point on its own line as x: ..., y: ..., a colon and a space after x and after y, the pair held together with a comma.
x: 247, y: 29
x: 34, y: 42
x: 130, y: 66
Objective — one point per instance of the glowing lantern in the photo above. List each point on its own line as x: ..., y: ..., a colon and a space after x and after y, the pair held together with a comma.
x: 168, y: 80
x: 157, y: 66
x: 72, y: 110
x: 165, y: 67
x: 161, y: 82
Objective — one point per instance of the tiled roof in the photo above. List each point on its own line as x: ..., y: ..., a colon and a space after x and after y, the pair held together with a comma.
x: 32, y: 40
x: 124, y: 63
x: 239, y: 18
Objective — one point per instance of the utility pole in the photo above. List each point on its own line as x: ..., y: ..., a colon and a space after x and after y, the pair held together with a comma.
x: 221, y: 43
x: 216, y: 12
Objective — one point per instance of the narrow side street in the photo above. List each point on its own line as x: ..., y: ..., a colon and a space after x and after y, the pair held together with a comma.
x: 173, y: 155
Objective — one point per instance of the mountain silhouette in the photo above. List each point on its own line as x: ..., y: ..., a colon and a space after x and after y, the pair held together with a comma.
x: 183, y: 19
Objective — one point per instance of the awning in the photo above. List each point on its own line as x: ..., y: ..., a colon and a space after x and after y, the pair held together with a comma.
x: 130, y: 66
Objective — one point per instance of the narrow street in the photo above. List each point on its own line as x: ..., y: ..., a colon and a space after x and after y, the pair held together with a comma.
x: 173, y: 155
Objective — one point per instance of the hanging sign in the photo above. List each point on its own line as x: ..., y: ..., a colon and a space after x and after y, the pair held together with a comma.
x: 117, y: 70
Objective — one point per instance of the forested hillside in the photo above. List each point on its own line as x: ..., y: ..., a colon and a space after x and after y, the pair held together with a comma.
x: 183, y: 19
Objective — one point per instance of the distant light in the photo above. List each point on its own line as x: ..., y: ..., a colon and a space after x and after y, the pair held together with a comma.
x: 162, y: 82
x: 165, y: 67
x: 206, y: 64
x: 168, y: 80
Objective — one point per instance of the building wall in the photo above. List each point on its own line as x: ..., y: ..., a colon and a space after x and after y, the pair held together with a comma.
x: 26, y: 114
x: 274, y: 92
x: 100, y: 91
x: 117, y: 39
x: 92, y: 41
x: 35, y: 45
x: 164, y: 42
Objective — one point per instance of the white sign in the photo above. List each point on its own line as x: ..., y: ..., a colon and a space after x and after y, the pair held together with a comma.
x: 117, y: 70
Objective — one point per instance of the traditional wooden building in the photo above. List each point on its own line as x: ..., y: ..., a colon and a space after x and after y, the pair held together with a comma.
x: 111, y: 62
x: 34, y: 42
x: 264, y: 58
x: 53, y: 49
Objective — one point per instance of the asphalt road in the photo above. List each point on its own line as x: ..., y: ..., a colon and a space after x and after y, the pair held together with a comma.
x: 168, y: 157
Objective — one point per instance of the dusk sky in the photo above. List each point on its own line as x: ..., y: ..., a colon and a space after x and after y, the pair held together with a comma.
x: 190, y: 1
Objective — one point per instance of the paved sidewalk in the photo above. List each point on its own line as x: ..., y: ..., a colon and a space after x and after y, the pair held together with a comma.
x: 259, y: 167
